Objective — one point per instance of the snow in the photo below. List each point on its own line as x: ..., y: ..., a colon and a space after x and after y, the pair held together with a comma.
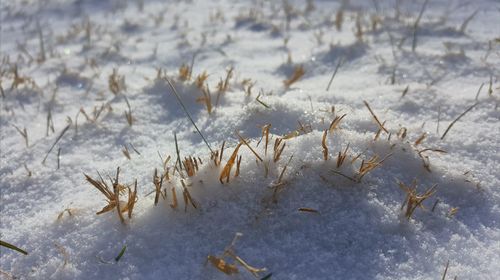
x: 357, y: 228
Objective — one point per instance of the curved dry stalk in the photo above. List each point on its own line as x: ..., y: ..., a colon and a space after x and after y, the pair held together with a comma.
x: 381, y: 126
x: 226, y: 172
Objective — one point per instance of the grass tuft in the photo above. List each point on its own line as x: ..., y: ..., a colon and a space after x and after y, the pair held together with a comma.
x: 414, y: 200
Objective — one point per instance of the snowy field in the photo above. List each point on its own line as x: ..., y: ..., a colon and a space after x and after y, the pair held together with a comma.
x: 344, y: 139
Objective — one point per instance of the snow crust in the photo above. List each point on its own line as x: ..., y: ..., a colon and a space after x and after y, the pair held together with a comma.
x: 358, y: 229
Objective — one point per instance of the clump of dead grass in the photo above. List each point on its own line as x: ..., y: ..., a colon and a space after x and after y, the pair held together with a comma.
x: 113, y: 194
x: 413, y: 199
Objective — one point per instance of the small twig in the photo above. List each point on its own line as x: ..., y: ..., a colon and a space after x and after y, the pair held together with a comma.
x: 458, y: 118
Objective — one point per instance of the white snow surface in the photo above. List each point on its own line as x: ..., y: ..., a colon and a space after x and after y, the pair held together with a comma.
x: 359, y: 229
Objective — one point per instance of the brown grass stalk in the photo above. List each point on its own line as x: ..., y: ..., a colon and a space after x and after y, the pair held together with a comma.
x: 458, y: 118
x: 298, y: 72
x: 323, y: 144
x: 381, y: 126
x: 226, y: 171
x: 251, y: 149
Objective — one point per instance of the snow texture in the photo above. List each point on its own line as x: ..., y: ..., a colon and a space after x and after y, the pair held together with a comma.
x: 71, y: 67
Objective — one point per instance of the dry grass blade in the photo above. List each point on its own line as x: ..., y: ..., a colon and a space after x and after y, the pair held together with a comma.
x: 342, y: 156
x: 453, y: 211
x: 174, y: 199
x: 67, y: 210
x: 251, y: 149
x: 402, y: 133
x: 284, y: 169
x: 12, y: 247
x: 334, y: 73
x: 255, y: 271
x: 24, y: 134
x: 200, y: 79
x: 479, y: 91
x: 381, y: 126
x: 184, y: 72
x: 413, y: 199
x: 420, y: 139
x: 345, y: 176
x: 101, y: 186
x: 467, y: 20
x: 369, y: 165
x: 120, y: 255
x: 265, y: 134
x: 188, y: 198
x: 216, y: 157
x: 335, y: 123
x: 278, y: 149
x: 57, y: 139
x: 190, y: 166
x: 309, y: 210
x: 279, y: 184
x: 116, y: 197
x: 187, y: 113
x: 221, y: 265
x: 231, y: 269
x: 63, y: 252
x: 298, y: 72
x: 158, y: 183
x: 226, y: 171
x: 116, y: 83
x: 415, y: 26
x: 112, y: 195
x: 132, y: 199
x: 50, y: 122
x: 431, y: 150
x: 238, y: 163
x: 323, y: 144
x: 445, y: 270
x: 458, y: 118
x: 206, y: 98
x: 126, y: 152
x: 223, y: 85
x: 260, y: 101
x: 405, y: 91
x: 128, y: 114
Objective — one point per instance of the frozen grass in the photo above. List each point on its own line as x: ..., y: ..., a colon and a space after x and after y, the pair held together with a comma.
x: 222, y: 146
